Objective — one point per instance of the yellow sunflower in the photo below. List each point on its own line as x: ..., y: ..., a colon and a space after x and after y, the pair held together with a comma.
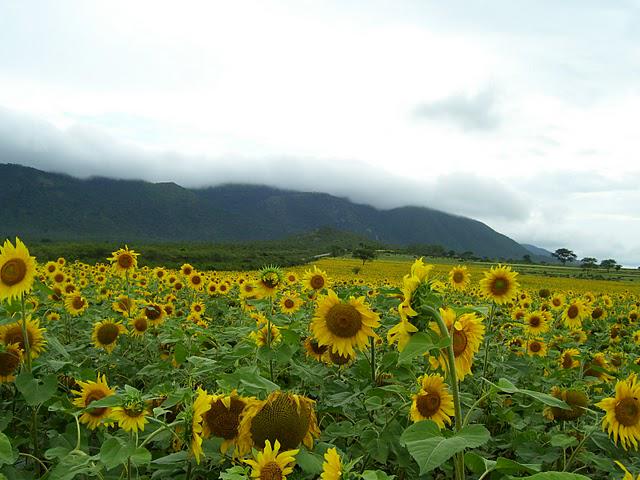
x: 401, y: 333
x: 196, y: 281
x: 315, y: 279
x: 313, y: 350
x: 459, y: 277
x: 271, y: 465
x: 261, y: 336
x: 127, y: 306
x: 223, y: 418
x: 186, y: 269
x: 332, y: 466
x: 285, y: 417
x: 10, y: 359
x: 17, y: 270
x: 598, y: 367
x: 344, y: 325
x: 575, y: 312
x: 154, y: 312
x: 139, y: 326
x: 106, y: 333
x: 90, y: 392
x: 433, y: 401
x: 499, y: 284
x: 576, y: 399
x: 290, y: 304
x: 75, y: 304
x: 12, y: 334
x: 131, y: 417
x: 535, y: 323
x: 536, y: 347
x: 269, y: 280
x: 627, y: 474
x: 622, y: 418
x: 198, y: 307
x: 124, y: 261
x: 568, y: 358
x: 200, y: 406
x: 467, y: 332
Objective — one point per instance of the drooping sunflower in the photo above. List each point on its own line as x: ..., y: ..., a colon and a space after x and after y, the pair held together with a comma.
x: 17, y: 270
x: 622, y: 418
x: 131, y: 416
x: 576, y: 399
x: 568, y: 358
x: 536, y: 347
x: 315, y: 280
x: 285, y: 417
x: 10, y: 359
x: 12, y: 334
x: 271, y: 465
x: 90, y: 392
x: 535, y: 323
x: 401, y: 333
x: 459, y: 277
x: 314, y: 350
x: 154, y: 312
x: 433, y: 401
x: 106, y: 332
x: 200, y: 406
x: 75, y: 304
x: 340, y: 361
x: 332, y: 466
x: 124, y: 261
x: 597, y: 367
x: 344, y: 325
x: 467, y: 332
x: 223, y: 418
x: 574, y: 314
x: 499, y: 284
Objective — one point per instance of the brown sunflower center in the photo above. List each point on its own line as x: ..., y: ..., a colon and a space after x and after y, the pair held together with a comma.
x: 556, y: 302
x: 535, y: 321
x: 344, y: 320
x: 338, y: 359
x: 271, y: 471
x: 13, y: 271
x: 597, y: 313
x: 429, y: 404
x: 288, y: 303
x: 458, y: 277
x: 78, y: 303
x: 125, y: 260
x: 140, y: 324
x: 318, y: 349
x: 196, y: 280
x: 499, y: 286
x: 108, y: 333
x: 627, y: 412
x: 317, y: 282
x: 92, y: 397
x: 51, y: 268
x: 152, y: 312
x: 9, y: 362
x: 572, y: 312
x: 281, y: 419
x: 567, y: 361
x: 58, y: 277
x: 222, y: 421
x: 460, y: 342
x: 535, y: 347
x: 14, y: 335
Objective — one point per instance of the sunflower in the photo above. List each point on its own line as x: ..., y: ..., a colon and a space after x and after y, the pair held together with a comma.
x: 53, y: 316
x: 124, y: 261
x: 290, y: 304
x: 139, y: 325
x: 459, y: 277
x: 125, y: 305
x: 466, y: 333
x: 313, y: 350
x: 433, y: 401
x: 315, y: 280
x: 12, y: 334
x: 106, y: 333
x: 212, y: 287
x: 90, y: 392
x: 568, y: 357
x: 291, y: 278
x: 343, y: 325
x: 269, y: 280
x: 627, y: 474
x: 261, y: 336
x: 200, y: 406
x: 186, y: 269
x: 334, y: 358
x: 401, y: 333
x: 332, y: 466
x: 271, y: 465
x: 17, y: 270
x: 131, y: 416
x: 248, y: 291
x: 154, y: 312
x: 536, y: 347
x: 223, y: 418
x: 285, y: 417
x: 75, y: 304
x: 51, y: 268
x: 576, y: 399
x: 597, y: 367
x: 622, y: 418
x: 535, y: 323
x: 195, y: 281
x: 499, y: 284
x: 10, y: 359
x: 575, y: 312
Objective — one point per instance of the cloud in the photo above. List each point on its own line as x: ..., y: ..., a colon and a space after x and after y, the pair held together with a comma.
x: 85, y: 151
x: 477, y: 112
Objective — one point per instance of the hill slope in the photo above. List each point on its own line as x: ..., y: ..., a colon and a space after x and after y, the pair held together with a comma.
x: 37, y: 205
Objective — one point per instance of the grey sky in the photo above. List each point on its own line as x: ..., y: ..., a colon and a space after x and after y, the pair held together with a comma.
x: 522, y: 114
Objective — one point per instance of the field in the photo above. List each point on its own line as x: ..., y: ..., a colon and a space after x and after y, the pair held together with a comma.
x: 393, y: 369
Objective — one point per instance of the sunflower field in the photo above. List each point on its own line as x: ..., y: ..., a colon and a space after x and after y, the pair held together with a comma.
x: 398, y: 370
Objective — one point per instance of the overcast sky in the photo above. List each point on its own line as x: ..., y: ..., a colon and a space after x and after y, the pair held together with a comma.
x: 522, y: 114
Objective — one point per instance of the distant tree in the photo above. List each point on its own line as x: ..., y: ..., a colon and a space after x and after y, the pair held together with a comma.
x: 527, y: 258
x: 364, y: 253
x: 618, y: 267
x: 588, y: 262
x: 564, y: 255
x: 609, y: 263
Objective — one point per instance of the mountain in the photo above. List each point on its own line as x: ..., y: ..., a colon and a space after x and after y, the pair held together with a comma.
x: 38, y: 205
x: 540, y: 254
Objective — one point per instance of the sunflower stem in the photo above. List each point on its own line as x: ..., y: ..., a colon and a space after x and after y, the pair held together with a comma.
x: 486, y: 345
x: 25, y: 336
x: 451, y: 367
x: 373, y: 360
x: 269, y: 338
